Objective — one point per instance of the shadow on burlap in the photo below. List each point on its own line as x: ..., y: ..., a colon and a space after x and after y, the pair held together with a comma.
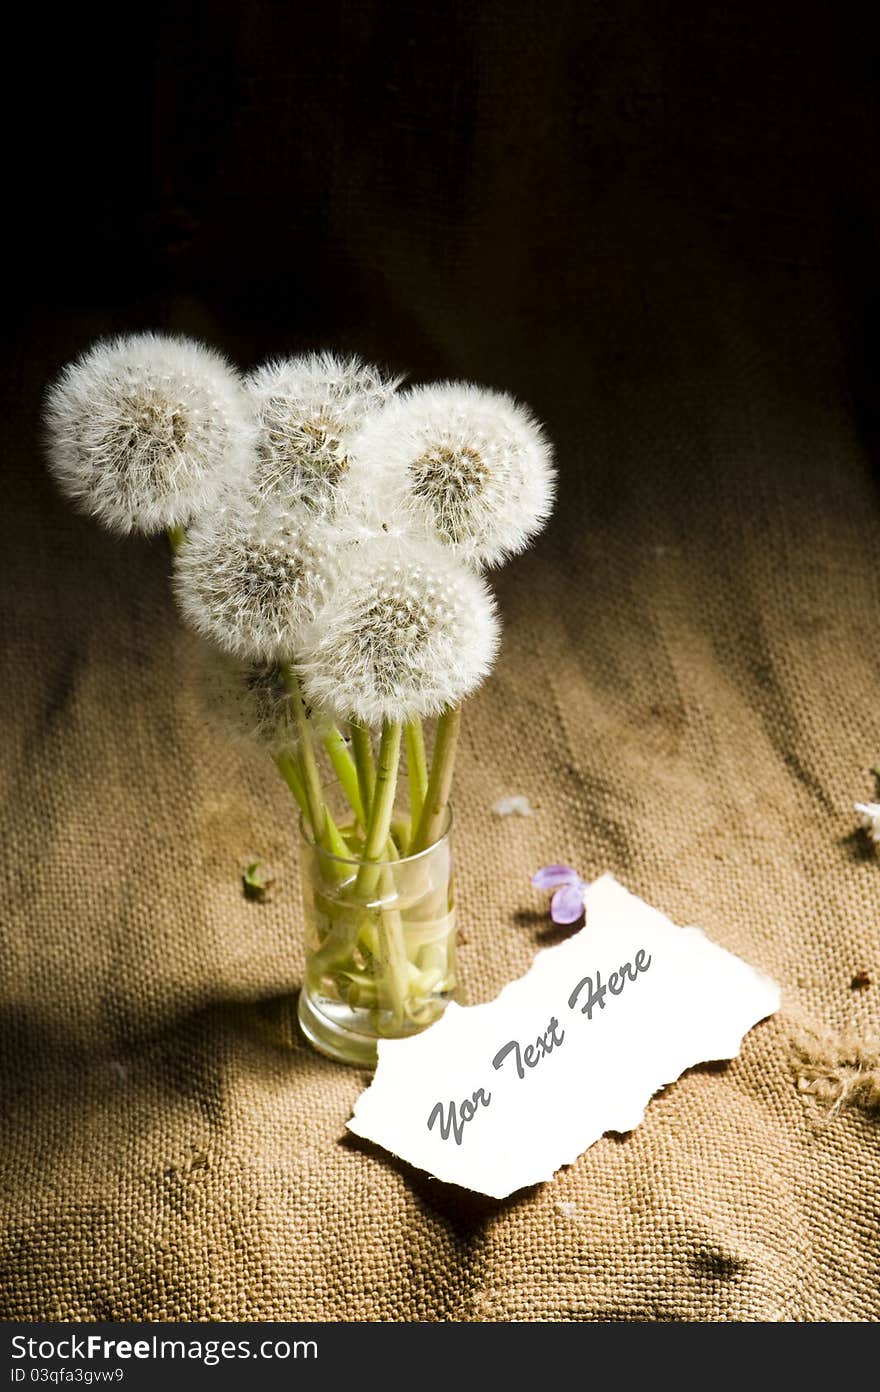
x: 687, y: 694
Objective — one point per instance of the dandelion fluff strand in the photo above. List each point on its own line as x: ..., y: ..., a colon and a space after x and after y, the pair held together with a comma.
x: 144, y: 432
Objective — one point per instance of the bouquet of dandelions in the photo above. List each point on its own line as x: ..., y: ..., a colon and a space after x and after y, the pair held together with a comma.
x: 331, y: 535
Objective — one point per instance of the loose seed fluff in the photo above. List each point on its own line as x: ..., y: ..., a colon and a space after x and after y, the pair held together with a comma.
x: 474, y: 464
x: 251, y: 576
x: 869, y: 819
x: 143, y: 432
x: 307, y: 409
x: 405, y: 631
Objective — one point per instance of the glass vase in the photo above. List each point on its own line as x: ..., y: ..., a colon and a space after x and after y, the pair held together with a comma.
x: 379, y: 945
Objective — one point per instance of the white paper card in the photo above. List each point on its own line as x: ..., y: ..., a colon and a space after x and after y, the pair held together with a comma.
x: 498, y: 1096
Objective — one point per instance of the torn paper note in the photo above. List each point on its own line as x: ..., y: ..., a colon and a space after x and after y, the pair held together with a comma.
x: 498, y: 1096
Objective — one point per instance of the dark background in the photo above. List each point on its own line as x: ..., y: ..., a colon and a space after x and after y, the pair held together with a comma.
x: 477, y: 189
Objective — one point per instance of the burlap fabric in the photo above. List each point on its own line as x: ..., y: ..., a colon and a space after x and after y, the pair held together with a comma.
x: 687, y: 694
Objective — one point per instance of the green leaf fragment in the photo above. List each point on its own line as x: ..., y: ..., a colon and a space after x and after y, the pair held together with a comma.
x: 257, y: 882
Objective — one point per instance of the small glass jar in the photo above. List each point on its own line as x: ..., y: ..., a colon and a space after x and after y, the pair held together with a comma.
x: 380, y: 946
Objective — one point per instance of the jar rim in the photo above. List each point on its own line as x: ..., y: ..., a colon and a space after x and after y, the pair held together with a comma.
x: 358, y: 861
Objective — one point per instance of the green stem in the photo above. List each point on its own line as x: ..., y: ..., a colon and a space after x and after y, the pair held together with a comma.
x: 433, y: 816
x: 291, y: 773
x: 336, y: 844
x: 379, y: 825
x: 416, y: 768
x: 392, y: 978
x: 398, y: 841
x: 362, y: 747
x: 346, y: 772
x: 286, y: 766
x: 324, y: 829
x: 176, y: 536
x: 308, y: 764
x: 393, y: 981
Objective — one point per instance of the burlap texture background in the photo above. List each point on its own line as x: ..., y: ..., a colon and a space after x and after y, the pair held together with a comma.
x: 687, y: 693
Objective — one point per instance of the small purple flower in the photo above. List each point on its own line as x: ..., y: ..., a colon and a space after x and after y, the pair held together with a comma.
x: 567, y: 904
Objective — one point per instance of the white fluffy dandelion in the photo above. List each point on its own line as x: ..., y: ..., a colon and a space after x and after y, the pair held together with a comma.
x: 473, y: 465
x: 869, y: 817
x: 307, y: 410
x: 249, y: 701
x: 405, y: 632
x: 144, y: 432
x: 250, y: 577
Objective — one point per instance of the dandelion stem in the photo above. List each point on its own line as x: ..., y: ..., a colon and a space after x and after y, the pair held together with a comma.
x: 336, y: 844
x: 362, y: 747
x: 440, y: 783
x: 176, y: 536
x: 401, y: 829
x: 286, y: 766
x: 290, y: 772
x: 416, y: 768
x: 392, y: 983
x: 379, y: 824
x: 346, y: 772
x: 307, y: 760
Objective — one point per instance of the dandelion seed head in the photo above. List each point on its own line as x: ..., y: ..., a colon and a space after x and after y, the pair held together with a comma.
x: 307, y: 409
x: 144, y: 432
x: 250, y: 577
x: 247, y: 701
x: 406, y: 631
x: 473, y: 465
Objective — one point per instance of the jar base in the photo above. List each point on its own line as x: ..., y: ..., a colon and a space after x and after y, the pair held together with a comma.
x: 341, y: 1045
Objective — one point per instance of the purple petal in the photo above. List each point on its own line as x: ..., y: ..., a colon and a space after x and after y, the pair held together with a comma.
x: 567, y: 904
x: 552, y: 876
